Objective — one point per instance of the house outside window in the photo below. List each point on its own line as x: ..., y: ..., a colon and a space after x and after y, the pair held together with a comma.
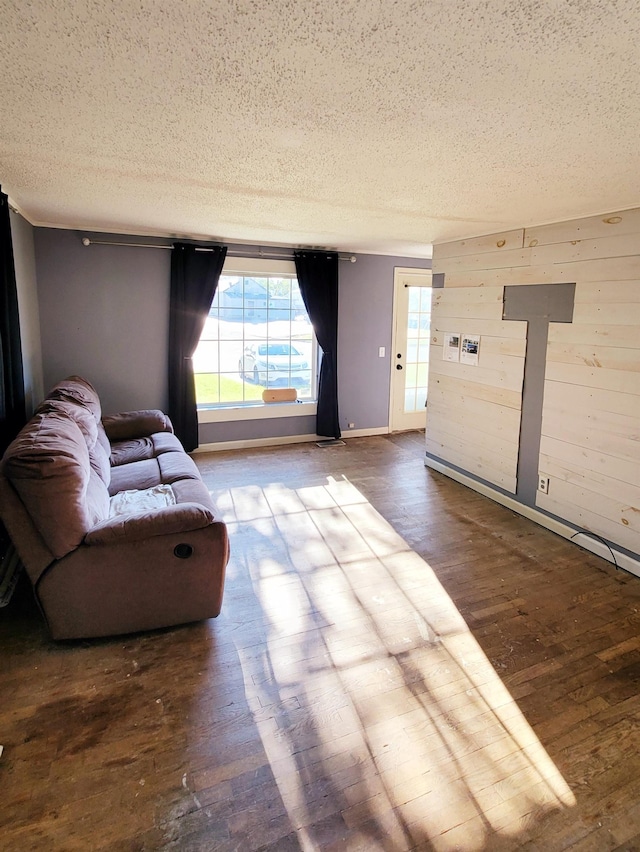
x: 258, y: 335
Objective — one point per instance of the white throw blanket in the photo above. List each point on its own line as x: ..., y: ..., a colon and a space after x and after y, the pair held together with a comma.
x: 147, y: 500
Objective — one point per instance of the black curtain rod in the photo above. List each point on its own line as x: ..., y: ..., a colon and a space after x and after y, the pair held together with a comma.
x: 281, y: 255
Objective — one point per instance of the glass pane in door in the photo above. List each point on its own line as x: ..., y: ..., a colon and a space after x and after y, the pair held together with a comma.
x: 418, y: 338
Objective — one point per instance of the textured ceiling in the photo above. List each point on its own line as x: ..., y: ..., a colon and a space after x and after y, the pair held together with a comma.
x: 363, y: 125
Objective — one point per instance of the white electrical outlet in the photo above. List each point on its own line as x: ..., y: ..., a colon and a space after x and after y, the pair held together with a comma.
x: 351, y: 425
x: 543, y: 484
x: 381, y: 351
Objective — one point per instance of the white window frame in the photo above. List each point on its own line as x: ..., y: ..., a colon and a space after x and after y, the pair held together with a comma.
x: 257, y: 410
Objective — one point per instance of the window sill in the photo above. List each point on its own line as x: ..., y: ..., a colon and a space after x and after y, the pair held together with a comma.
x: 264, y: 411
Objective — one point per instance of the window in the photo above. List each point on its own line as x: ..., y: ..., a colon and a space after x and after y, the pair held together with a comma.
x: 257, y: 335
x: 418, y: 341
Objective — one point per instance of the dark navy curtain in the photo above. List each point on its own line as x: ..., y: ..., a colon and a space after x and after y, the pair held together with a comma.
x: 12, y: 396
x: 317, y: 273
x: 194, y: 280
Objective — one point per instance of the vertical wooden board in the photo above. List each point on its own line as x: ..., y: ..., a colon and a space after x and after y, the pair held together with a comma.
x: 510, y: 276
x: 585, y: 422
x: 606, y: 357
x: 584, y: 518
x: 473, y: 466
x: 499, y: 456
x: 516, y: 347
x: 626, y: 336
x: 513, y: 329
x: 609, y: 269
x: 488, y: 260
x: 590, y: 228
x: 619, y: 313
x: 443, y: 309
x: 613, y: 435
x: 444, y: 429
x: 478, y: 420
x: 504, y: 241
x: 609, y: 292
x: 594, y: 377
x: 510, y: 379
x: 500, y: 396
x: 606, y: 269
x: 614, y: 509
x: 457, y: 406
x: 565, y: 397
x: 591, y: 460
x: 490, y: 345
x: 598, y: 483
x: 625, y: 245
x: 489, y: 359
x: 467, y: 295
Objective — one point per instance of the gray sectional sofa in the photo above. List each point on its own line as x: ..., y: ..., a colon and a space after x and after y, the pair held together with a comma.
x: 111, y: 518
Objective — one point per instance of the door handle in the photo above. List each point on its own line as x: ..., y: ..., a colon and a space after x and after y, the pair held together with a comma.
x: 398, y: 366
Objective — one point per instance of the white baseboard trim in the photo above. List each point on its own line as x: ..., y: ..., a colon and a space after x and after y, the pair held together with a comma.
x: 365, y: 433
x: 251, y: 443
x: 592, y: 545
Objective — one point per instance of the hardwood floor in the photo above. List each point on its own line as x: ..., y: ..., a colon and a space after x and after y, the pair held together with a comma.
x: 399, y: 664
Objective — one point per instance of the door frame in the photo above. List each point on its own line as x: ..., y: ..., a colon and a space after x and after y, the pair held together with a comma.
x: 400, y: 273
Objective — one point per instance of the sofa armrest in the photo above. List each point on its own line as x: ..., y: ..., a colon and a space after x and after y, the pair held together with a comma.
x: 135, y: 424
x: 184, y: 517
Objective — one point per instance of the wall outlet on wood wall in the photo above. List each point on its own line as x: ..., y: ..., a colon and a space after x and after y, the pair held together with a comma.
x: 543, y: 484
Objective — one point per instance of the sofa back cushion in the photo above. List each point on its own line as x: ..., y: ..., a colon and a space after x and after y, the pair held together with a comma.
x: 91, y: 429
x: 104, y: 442
x: 77, y: 390
x: 48, y: 465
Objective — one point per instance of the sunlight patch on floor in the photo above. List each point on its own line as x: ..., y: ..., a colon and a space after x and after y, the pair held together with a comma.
x: 393, y: 710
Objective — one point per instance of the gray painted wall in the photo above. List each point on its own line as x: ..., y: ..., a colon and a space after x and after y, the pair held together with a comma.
x: 365, y: 324
x: 538, y: 305
x: 25, y: 266
x: 104, y: 315
x: 248, y: 430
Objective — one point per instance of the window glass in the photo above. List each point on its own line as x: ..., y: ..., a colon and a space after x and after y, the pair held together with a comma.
x: 257, y: 335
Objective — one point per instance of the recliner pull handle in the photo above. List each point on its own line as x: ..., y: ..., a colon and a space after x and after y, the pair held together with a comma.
x: 183, y: 551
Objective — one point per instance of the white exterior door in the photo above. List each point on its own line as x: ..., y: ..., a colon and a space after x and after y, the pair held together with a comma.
x: 410, y: 349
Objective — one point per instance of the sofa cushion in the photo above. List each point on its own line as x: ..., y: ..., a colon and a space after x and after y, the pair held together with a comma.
x: 97, y: 499
x: 103, y: 440
x: 166, y: 442
x: 137, y: 475
x: 82, y: 416
x: 163, y: 470
x: 175, y: 466
x: 48, y: 465
x: 77, y: 390
x: 192, y: 491
x: 135, y: 424
x: 126, y: 452
x: 90, y: 428
x: 100, y: 462
x: 138, y: 449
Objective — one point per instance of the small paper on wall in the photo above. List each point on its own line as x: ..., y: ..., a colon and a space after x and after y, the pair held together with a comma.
x: 470, y: 349
x: 451, y: 348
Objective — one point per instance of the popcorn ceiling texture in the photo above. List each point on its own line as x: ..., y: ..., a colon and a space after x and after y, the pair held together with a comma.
x: 362, y: 125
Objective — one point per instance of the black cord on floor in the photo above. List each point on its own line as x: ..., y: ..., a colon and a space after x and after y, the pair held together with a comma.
x: 600, y: 539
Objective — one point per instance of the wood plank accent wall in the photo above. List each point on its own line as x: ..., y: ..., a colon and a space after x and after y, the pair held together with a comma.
x: 473, y: 413
x: 590, y: 439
